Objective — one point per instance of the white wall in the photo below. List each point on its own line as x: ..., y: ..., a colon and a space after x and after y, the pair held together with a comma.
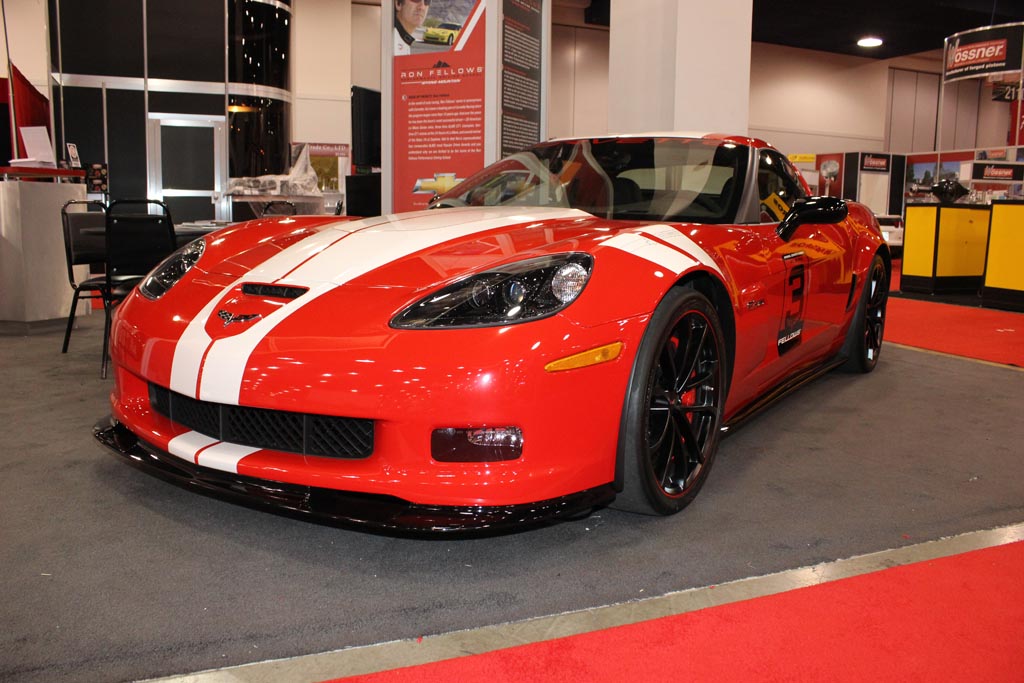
x: 322, y: 71
x: 27, y: 30
x: 960, y: 101
x: 808, y: 101
x: 993, y: 120
x: 801, y: 100
x: 366, y: 46
x: 679, y: 65
x: 578, y: 104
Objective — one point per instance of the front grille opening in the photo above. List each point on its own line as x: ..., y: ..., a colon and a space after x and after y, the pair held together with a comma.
x: 279, y: 430
x: 273, y: 291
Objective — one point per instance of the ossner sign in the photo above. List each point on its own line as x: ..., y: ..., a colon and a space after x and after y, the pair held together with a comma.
x: 984, y: 51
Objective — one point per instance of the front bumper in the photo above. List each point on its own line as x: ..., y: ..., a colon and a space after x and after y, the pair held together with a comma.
x: 377, y: 512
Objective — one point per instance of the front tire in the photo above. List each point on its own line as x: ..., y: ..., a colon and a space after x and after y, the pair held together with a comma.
x: 864, y: 340
x: 673, y: 413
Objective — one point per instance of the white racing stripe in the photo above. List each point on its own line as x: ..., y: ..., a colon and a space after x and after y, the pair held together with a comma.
x: 209, y: 452
x: 186, y: 445
x: 225, y: 456
x: 323, y: 262
x: 677, y: 239
x: 226, y: 362
x: 189, y: 352
x: 685, y: 254
x: 655, y: 252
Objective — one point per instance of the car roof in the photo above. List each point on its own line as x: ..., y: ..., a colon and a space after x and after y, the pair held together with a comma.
x: 748, y: 141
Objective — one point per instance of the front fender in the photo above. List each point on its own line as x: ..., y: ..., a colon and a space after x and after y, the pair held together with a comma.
x: 633, y: 271
x: 867, y: 240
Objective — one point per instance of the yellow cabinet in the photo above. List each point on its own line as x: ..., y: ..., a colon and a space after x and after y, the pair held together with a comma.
x: 944, y: 248
x: 1004, y: 267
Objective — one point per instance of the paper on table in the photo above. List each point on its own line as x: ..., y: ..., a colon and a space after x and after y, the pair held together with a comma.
x: 37, y: 145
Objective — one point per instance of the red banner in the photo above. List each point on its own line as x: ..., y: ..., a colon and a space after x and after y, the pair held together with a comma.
x: 438, y: 98
x: 31, y: 108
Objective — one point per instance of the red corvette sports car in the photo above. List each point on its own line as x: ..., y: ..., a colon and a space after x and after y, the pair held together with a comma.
x: 574, y: 325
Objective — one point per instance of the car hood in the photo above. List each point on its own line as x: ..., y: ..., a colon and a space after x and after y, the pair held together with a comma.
x: 272, y: 296
x: 348, y: 279
x: 398, y: 250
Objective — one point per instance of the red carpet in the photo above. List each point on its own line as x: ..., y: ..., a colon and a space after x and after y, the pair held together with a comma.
x: 982, y: 333
x: 959, y: 618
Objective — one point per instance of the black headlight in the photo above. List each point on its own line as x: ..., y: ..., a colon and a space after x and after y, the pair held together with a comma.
x: 513, y: 293
x: 172, y: 269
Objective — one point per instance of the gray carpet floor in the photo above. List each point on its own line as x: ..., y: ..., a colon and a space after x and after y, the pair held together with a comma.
x: 112, y: 575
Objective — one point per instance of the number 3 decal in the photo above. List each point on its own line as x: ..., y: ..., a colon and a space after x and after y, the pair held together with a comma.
x: 793, y: 305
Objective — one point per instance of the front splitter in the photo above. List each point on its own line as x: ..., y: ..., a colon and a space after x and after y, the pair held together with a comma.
x: 345, y: 508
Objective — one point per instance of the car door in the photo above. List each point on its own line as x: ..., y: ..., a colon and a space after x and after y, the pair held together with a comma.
x: 811, y: 281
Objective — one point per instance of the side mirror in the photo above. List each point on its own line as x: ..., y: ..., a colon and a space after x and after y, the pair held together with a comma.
x: 812, y: 210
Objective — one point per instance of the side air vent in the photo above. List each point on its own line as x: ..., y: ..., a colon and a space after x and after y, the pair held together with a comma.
x: 274, y: 291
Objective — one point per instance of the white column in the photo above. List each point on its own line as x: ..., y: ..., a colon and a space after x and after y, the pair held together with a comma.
x: 321, y: 63
x: 679, y: 65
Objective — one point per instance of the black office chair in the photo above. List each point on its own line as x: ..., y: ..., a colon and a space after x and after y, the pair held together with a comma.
x: 84, y: 244
x: 136, y: 241
x: 279, y: 207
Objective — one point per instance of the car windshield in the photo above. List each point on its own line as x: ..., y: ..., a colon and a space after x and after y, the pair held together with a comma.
x: 673, y: 179
x: 450, y: 27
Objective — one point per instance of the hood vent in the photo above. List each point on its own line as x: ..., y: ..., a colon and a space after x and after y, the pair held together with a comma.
x: 274, y: 291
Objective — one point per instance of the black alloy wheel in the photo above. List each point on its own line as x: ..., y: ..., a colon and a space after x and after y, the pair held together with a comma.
x: 674, y: 406
x: 864, y: 340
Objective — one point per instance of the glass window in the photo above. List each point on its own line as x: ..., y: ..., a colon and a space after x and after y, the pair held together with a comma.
x: 628, y: 178
x: 777, y: 186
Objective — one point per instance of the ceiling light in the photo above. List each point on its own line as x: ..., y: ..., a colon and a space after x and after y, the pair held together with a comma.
x: 869, y: 41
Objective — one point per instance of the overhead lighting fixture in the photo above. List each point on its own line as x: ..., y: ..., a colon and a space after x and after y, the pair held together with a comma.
x: 870, y: 41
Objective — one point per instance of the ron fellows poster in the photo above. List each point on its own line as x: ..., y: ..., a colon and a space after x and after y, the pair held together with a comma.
x: 438, y: 97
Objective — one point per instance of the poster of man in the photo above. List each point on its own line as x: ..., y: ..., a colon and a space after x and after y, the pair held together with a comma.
x: 437, y: 99
x: 409, y: 17
x: 425, y: 26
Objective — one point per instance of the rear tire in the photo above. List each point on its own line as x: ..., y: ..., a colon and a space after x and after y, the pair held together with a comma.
x: 864, y: 339
x: 673, y: 412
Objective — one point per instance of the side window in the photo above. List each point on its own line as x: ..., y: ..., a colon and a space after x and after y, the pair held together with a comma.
x: 777, y: 186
